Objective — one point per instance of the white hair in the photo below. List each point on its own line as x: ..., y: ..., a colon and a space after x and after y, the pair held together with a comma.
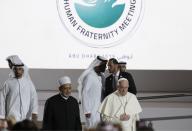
x: 121, y: 79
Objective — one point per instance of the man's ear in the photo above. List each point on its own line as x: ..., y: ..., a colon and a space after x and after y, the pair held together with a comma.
x: 59, y: 88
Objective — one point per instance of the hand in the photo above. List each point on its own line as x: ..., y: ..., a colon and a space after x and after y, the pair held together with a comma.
x: 124, y: 117
x: 34, y: 117
x: 88, y: 115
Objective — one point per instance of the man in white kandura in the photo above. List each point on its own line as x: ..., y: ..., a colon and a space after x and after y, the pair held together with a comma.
x: 121, y: 106
x: 122, y: 66
x: 18, y: 97
x: 90, y: 87
x: 15, y: 60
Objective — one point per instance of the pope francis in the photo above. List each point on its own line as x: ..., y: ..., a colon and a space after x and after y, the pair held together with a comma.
x: 121, y: 106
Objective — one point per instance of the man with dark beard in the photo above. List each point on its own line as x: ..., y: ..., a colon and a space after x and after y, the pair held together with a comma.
x: 111, y: 81
x: 90, y: 87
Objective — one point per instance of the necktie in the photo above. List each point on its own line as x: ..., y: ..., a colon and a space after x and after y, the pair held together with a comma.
x: 114, y: 83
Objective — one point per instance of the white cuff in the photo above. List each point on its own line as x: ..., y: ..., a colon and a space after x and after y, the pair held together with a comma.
x: 87, y: 113
x: 35, y: 112
x: 2, y: 117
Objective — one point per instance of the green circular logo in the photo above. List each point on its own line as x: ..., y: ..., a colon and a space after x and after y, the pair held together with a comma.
x: 99, y: 13
x: 100, y: 23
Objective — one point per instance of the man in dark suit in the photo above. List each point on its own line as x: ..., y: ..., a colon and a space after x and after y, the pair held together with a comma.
x: 111, y: 81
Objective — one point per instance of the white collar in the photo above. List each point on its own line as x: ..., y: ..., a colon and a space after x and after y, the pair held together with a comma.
x: 64, y: 97
x: 117, y: 74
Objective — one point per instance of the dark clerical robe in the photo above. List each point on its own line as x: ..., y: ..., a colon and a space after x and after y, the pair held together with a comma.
x: 61, y: 114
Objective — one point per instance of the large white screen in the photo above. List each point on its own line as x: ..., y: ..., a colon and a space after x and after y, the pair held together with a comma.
x: 33, y: 30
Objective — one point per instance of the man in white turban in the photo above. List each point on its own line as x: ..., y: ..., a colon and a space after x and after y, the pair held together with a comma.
x: 90, y: 88
x: 14, y: 60
x: 121, y: 107
x: 122, y: 66
x: 18, y: 97
x: 62, y: 110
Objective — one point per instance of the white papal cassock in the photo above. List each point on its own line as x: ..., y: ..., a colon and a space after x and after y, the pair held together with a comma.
x: 115, y: 105
x: 18, y: 98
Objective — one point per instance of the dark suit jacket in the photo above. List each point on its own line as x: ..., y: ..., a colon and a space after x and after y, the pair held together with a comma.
x: 109, y: 81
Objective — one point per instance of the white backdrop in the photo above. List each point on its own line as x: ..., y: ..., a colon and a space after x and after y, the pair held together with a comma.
x: 33, y: 30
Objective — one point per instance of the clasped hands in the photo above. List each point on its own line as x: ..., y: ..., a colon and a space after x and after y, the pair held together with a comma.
x: 124, y: 117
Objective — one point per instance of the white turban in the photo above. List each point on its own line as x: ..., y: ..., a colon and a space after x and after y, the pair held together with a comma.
x: 64, y: 80
x: 15, y: 60
x: 122, y: 62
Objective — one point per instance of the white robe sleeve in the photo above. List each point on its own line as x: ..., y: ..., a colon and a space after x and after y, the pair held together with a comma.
x: 108, y: 118
x: 135, y: 118
x: 86, y: 95
x: 34, y: 99
x: 105, y: 110
x: 3, y: 95
x: 106, y: 106
x: 133, y: 106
